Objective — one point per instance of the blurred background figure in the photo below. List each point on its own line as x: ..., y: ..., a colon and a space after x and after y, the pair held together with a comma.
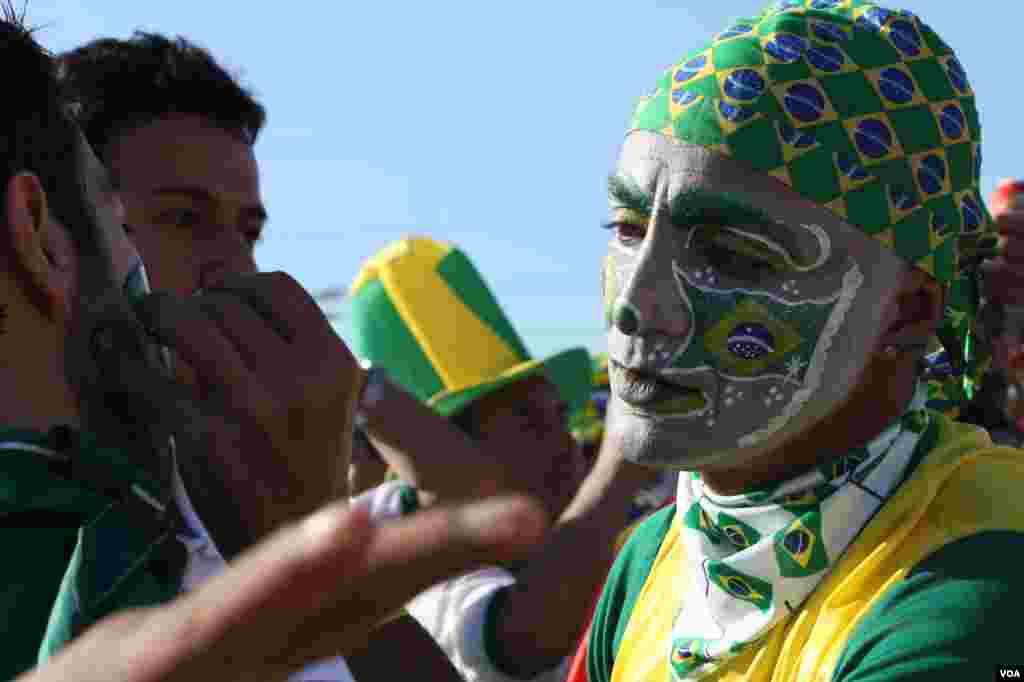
x: 457, y: 406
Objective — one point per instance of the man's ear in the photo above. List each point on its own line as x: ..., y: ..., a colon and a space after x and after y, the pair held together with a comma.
x: 915, y: 312
x: 39, y: 250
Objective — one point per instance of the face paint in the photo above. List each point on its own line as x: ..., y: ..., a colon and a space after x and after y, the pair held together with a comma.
x: 755, y: 313
x: 765, y: 346
x: 609, y: 289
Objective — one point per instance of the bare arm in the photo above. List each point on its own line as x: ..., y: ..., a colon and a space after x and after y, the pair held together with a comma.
x: 420, y: 656
x: 543, y: 614
x: 309, y: 591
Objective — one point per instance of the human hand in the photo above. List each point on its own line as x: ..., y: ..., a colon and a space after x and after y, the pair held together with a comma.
x: 312, y: 590
x: 278, y: 388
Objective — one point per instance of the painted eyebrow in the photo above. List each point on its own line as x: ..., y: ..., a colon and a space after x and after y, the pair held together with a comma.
x: 624, y: 193
x: 700, y: 207
x: 693, y: 207
x: 257, y: 212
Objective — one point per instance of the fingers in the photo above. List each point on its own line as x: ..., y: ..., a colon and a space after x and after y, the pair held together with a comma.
x: 318, y: 588
x: 201, y: 344
x: 408, y: 556
x: 247, y: 331
x: 238, y: 625
x: 283, y: 303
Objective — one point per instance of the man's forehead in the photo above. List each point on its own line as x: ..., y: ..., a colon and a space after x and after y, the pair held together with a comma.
x: 649, y: 160
x: 186, y: 152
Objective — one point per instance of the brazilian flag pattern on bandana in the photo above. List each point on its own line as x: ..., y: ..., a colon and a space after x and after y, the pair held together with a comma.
x: 865, y: 111
x: 754, y: 558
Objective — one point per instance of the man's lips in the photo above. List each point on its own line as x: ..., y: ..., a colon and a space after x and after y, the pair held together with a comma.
x: 648, y: 392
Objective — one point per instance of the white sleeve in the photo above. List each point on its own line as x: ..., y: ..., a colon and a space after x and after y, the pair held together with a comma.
x: 455, y: 612
x: 385, y: 502
x: 205, y: 561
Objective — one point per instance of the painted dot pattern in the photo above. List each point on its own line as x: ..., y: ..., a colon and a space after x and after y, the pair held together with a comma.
x: 797, y: 541
x: 805, y: 102
x: 734, y: 113
x: 826, y: 58
x: 737, y: 30
x: 751, y: 341
x: 744, y: 85
x: 873, y: 138
x: 905, y: 38
x: 738, y: 586
x: 787, y: 48
x: 828, y: 33
x: 684, y: 97
x: 972, y: 213
x: 896, y: 86
x: 957, y: 75
x: 931, y: 174
x: 690, y: 69
x: 952, y: 121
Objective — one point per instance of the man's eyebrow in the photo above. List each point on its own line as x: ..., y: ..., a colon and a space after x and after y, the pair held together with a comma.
x: 624, y: 193
x: 257, y: 211
x: 701, y: 207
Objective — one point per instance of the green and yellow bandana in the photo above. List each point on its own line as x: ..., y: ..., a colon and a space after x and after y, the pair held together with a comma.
x: 863, y: 110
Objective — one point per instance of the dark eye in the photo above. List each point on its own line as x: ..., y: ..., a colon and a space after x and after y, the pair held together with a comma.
x: 182, y: 217
x: 628, y: 234
x: 735, y: 264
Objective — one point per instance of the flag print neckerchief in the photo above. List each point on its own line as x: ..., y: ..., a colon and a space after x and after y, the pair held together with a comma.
x: 754, y: 558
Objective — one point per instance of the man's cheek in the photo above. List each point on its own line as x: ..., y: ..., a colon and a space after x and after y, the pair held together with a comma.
x: 609, y: 288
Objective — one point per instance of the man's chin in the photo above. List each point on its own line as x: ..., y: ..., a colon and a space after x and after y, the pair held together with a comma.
x: 674, y: 445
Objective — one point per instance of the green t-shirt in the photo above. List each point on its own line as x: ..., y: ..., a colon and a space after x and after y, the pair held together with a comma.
x: 954, y: 617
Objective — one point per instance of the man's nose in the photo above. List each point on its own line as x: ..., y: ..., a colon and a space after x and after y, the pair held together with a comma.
x: 651, y: 302
x: 230, y: 255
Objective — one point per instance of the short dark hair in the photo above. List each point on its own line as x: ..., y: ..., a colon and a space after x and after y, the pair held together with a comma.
x: 124, y: 84
x: 36, y: 130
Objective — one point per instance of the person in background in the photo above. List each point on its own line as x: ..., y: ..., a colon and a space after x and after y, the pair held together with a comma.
x: 88, y: 414
x: 178, y: 132
x: 498, y: 421
x: 797, y: 230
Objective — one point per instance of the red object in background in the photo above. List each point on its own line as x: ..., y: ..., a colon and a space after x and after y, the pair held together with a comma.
x: 1007, y: 196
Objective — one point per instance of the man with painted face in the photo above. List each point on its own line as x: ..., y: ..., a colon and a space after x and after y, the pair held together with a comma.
x: 796, y: 219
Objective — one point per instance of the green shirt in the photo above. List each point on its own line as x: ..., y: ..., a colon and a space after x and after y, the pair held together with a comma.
x: 72, y: 553
x: 955, y: 616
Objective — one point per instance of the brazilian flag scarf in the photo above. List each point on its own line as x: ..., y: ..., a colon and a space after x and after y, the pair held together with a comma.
x: 754, y: 558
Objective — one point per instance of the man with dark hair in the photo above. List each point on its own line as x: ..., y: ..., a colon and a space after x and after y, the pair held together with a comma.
x: 177, y: 131
x: 91, y: 490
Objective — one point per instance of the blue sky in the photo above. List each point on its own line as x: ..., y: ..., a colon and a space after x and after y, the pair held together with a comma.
x: 493, y: 125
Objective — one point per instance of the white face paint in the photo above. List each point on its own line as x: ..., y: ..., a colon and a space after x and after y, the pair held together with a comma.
x: 741, y: 314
